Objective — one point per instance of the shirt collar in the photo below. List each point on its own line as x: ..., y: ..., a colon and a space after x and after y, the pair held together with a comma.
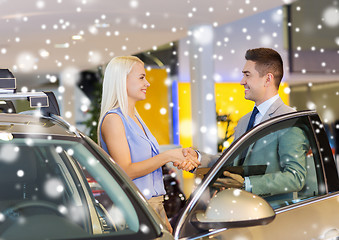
x: 266, y: 105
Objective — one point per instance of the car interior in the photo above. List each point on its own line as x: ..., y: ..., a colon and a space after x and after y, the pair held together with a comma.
x: 45, y: 182
x: 36, y: 190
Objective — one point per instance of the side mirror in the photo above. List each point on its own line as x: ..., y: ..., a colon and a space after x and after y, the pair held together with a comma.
x: 234, y: 208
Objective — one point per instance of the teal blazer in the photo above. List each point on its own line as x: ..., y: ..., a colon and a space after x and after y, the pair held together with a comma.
x: 284, y: 153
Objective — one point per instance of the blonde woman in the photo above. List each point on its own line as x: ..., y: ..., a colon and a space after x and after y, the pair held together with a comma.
x: 126, y: 138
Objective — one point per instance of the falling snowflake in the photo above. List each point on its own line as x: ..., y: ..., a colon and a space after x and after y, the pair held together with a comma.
x: 163, y: 111
x: 53, y: 187
x: 117, y: 217
x: 8, y: 152
x: 331, y: 17
x: 143, y: 228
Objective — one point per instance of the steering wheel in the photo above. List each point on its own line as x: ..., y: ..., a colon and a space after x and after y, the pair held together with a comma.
x: 31, y: 204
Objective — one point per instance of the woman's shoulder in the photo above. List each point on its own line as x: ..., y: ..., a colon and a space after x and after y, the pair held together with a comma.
x: 116, y: 112
x: 112, y: 118
x: 114, y: 115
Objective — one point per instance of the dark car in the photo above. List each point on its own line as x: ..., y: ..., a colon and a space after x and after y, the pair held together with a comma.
x: 56, y: 183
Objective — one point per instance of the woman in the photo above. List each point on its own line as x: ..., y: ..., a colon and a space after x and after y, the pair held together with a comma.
x: 126, y: 138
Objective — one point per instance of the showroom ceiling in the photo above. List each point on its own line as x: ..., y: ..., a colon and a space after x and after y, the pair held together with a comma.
x: 40, y: 36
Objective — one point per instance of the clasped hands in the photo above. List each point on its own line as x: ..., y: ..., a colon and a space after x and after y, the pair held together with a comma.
x: 190, y: 160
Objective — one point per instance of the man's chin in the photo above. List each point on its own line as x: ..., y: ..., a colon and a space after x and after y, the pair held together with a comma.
x: 249, y: 98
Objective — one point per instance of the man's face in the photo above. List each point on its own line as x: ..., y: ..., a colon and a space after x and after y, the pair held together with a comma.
x: 254, y: 85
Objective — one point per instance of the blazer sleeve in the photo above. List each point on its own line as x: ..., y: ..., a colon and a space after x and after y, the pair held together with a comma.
x: 292, y: 149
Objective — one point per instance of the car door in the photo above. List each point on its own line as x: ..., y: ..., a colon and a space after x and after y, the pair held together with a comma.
x: 288, y: 167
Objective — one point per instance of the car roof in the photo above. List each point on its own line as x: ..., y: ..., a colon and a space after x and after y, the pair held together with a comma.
x: 33, y: 125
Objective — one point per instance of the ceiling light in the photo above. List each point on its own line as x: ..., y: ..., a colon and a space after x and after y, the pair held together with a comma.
x: 61, y: 45
x: 43, y: 53
x: 76, y: 37
x: 102, y: 25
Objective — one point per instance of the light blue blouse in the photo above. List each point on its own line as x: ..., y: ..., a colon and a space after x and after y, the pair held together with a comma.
x: 141, y: 147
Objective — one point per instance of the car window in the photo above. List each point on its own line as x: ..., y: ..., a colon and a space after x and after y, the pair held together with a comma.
x: 112, y: 200
x: 61, y: 184
x: 281, y: 163
x: 293, y: 166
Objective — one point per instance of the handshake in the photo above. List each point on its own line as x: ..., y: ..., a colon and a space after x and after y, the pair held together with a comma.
x: 186, y: 159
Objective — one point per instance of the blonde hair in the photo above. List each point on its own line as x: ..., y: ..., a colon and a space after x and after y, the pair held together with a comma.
x: 114, y: 90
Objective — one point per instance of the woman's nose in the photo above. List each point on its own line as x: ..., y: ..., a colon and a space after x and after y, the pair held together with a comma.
x: 147, y: 84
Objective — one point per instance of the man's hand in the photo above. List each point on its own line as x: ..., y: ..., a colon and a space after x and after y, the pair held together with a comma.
x: 189, y: 151
x: 191, y: 161
x: 232, y: 180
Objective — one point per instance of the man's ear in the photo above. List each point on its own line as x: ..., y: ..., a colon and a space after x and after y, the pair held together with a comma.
x: 269, y: 79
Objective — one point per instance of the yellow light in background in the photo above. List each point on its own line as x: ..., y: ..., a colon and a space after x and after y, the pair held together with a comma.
x: 185, y: 130
x: 185, y: 127
x: 185, y: 115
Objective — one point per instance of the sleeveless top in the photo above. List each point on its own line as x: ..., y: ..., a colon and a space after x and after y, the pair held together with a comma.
x: 141, y: 147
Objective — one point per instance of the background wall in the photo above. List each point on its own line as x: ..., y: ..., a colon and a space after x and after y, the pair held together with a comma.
x: 231, y: 41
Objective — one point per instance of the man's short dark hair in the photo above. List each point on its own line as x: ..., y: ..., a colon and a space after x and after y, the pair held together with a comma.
x: 266, y: 61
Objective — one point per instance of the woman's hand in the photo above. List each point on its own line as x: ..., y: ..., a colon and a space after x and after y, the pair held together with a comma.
x: 191, y: 160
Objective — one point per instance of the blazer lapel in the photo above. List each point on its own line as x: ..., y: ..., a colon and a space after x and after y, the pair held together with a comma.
x: 273, y: 108
x: 242, y: 125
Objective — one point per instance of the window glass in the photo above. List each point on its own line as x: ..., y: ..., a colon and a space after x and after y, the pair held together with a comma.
x: 281, y: 163
x: 63, y: 185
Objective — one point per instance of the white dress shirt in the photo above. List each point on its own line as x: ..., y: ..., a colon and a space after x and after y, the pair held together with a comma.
x: 263, y: 108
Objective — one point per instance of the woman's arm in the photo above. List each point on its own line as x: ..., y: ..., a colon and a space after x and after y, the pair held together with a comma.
x: 113, y: 133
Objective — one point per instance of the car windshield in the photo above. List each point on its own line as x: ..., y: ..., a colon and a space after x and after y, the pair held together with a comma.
x: 53, y: 188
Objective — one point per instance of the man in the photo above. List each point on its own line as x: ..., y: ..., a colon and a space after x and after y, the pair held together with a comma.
x: 286, y: 155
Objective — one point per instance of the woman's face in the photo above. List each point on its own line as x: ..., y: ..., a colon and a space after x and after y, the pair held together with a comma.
x: 137, y: 83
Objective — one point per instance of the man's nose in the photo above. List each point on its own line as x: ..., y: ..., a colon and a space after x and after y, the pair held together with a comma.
x: 242, y: 82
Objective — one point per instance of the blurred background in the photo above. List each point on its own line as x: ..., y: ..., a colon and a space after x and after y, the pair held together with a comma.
x: 193, y: 52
